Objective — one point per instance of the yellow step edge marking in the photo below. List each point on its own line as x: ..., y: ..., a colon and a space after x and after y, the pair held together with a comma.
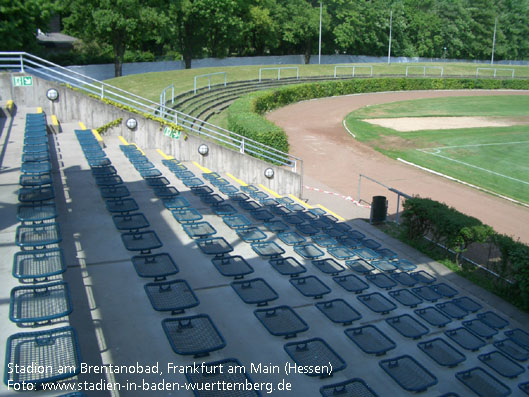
x: 123, y: 140
x: 203, y: 169
x: 39, y: 110
x: 54, y: 120
x: 300, y: 201
x: 237, y: 180
x: 97, y: 135
x: 165, y: 156
x: 330, y: 212
x: 137, y: 147
x: 81, y: 124
x: 269, y: 191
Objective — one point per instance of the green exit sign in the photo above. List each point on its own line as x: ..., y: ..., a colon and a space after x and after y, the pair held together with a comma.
x: 22, y: 81
x: 168, y: 131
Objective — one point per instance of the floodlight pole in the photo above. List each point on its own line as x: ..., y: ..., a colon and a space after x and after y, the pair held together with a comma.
x: 390, y: 26
x: 319, y: 46
x: 494, y: 41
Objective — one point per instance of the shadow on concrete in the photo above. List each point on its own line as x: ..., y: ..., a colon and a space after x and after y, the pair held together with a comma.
x: 6, y: 126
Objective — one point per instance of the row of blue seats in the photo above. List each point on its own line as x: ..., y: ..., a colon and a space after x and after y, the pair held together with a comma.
x: 173, y: 295
x: 44, y: 299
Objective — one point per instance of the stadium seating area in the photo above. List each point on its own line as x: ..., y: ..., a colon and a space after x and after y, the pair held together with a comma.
x: 207, y: 102
x: 186, y: 265
x: 43, y: 298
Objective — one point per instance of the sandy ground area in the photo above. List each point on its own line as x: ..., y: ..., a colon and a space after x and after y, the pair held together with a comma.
x: 405, y: 124
x: 331, y: 156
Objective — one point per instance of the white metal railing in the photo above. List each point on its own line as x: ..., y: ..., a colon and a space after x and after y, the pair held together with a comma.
x: 425, y: 68
x: 163, y: 95
x: 209, y: 75
x: 26, y: 63
x: 495, y: 71
x: 354, y: 67
x: 279, y: 71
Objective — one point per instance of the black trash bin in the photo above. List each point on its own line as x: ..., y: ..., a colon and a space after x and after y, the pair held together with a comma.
x: 379, y: 209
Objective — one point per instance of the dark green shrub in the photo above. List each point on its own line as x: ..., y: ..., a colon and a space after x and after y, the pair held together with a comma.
x: 457, y: 231
x: 443, y: 224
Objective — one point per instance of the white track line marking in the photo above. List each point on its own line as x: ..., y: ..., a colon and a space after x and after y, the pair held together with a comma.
x: 348, y: 130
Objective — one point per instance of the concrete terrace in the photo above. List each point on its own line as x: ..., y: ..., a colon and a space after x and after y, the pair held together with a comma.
x: 117, y: 325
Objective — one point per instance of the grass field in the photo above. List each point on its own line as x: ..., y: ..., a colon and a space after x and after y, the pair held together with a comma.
x: 150, y: 85
x: 494, y: 158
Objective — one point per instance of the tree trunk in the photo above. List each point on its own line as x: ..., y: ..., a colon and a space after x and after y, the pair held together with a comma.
x: 308, y: 50
x: 118, y: 67
x: 187, y: 60
x: 119, y: 54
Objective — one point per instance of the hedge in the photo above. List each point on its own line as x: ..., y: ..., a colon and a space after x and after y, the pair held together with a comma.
x: 245, y: 114
x: 244, y: 121
x: 442, y: 224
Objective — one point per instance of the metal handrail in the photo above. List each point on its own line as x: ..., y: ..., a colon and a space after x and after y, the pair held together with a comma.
x: 25, y: 62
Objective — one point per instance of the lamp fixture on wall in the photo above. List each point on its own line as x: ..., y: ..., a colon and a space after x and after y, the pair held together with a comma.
x: 203, y: 149
x: 269, y: 173
x: 52, y: 94
x: 132, y: 123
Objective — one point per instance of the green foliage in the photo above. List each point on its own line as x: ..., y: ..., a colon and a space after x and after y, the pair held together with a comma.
x: 515, y: 264
x: 19, y: 21
x: 244, y: 121
x: 163, y: 123
x: 104, y: 128
x: 219, y: 28
x: 456, y: 231
x: 443, y: 224
x: 121, y: 24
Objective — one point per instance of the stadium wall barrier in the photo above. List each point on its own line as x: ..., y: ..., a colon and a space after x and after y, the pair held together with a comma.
x: 72, y: 106
x: 106, y: 71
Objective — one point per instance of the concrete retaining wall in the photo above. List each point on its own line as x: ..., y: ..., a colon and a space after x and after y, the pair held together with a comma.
x: 73, y: 106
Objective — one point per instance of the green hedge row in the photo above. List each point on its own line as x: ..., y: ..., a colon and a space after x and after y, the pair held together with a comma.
x: 245, y: 114
x: 456, y: 231
x: 243, y: 120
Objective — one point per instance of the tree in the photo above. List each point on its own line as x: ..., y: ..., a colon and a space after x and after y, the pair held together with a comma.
x: 512, y: 23
x: 481, y: 26
x: 454, y: 20
x: 220, y: 25
x: 299, y: 21
x: 19, y: 21
x: 261, y: 31
x: 122, y: 24
x: 363, y: 27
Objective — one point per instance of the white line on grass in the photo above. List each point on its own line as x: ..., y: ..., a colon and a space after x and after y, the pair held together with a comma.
x: 479, y: 168
x: 425, y: 150
x: 462, y: 182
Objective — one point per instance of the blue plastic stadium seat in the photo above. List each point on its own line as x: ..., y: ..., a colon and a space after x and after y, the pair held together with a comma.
x: 339, y: 311
x: 281, y: 321
x: 315, y: 352
x: 193, y: 335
